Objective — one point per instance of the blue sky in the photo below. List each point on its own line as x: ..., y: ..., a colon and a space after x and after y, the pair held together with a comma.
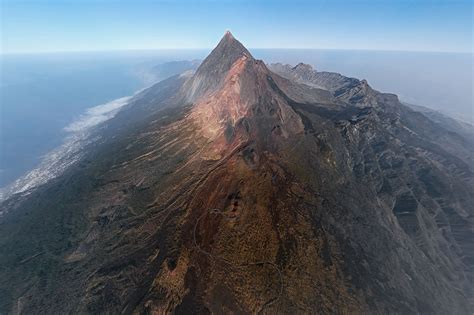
x: 85, y: 25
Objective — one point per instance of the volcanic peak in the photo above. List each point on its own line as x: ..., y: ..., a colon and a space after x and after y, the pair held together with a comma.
x: 212, y: 72
x: 233, y: 90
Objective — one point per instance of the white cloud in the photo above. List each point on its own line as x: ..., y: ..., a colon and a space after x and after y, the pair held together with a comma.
x: 96, y: 115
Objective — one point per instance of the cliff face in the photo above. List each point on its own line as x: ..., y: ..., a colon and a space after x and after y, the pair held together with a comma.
x: 239, y: 190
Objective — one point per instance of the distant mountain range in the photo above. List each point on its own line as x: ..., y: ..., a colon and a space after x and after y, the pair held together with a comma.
x: 304, y: 73
x: 251, y: 188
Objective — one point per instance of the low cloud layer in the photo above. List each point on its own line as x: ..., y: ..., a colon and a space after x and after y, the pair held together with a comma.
x: 96, y: 115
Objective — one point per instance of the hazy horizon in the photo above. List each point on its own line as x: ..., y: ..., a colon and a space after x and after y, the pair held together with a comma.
x: 208, y: 49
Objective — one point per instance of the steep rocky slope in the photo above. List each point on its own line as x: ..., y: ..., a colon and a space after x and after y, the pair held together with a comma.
x: 236, y: 190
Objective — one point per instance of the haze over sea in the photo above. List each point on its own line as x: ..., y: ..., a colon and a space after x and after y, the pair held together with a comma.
x: 43, y: 97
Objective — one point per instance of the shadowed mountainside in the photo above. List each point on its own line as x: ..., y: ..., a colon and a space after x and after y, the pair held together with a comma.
x: 236, y: 189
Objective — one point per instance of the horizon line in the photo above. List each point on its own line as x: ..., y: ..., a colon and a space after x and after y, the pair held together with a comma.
x: 2, y: 53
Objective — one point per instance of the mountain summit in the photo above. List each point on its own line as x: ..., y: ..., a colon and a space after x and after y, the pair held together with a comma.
x: 240, y: 190
x: 214, y: 68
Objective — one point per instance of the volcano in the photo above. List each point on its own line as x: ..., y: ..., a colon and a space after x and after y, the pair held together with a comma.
x: 240, y: 189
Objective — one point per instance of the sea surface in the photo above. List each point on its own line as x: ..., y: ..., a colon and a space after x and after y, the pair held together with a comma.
x: 44, y: 98
x: 47, y: 100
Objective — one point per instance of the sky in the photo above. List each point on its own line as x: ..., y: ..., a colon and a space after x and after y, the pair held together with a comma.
x: 30, y: 26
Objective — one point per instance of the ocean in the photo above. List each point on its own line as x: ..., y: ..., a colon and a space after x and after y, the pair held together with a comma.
x: 43, y: 97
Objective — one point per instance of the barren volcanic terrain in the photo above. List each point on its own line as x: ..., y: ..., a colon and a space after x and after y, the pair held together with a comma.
x: 244, y: 189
